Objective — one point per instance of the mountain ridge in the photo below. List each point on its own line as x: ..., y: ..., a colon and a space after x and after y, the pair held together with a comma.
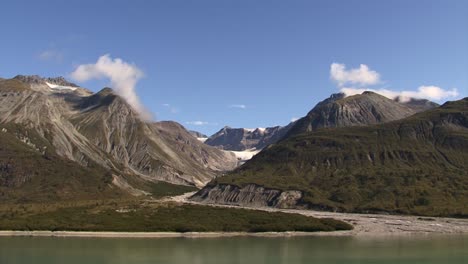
x: 363, y: 109
x: 241, y: 139
x: 414, y: 165
x: 102, y: 130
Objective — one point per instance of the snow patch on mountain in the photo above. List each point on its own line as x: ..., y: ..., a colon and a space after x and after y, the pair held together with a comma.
x: 246, y: 154
x: 60, y: 87
x: 261, y: 129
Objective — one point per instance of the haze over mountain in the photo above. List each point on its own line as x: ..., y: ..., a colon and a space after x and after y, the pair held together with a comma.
x: 413, y: 165
x: 71, y: 124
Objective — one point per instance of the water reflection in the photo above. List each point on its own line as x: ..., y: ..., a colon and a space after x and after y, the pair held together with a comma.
x: 425, y: 249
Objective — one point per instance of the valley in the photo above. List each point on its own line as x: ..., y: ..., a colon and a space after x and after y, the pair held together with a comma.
x: 227, y: 132
x: 90, y: 156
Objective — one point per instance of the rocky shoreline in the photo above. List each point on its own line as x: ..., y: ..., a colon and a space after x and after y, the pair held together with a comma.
x: 365, y: 224
x: 158, y: 234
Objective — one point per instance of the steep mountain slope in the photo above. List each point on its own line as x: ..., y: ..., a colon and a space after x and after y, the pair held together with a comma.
x: 241, y: 139
x: 103, y: 130
x: 414, y: 165
x: 32, y: 172
x: 203, y: 157
x: 357, y: 110
x: 156, y: 151
x: 47, y: 114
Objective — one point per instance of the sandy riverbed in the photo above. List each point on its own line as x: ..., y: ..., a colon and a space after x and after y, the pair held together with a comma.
x: 371, y: 224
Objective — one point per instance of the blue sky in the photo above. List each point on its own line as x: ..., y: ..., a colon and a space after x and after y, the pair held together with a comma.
x: 207, y: 64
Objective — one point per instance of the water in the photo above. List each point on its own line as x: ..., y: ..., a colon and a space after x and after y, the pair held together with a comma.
x: 426, y: 249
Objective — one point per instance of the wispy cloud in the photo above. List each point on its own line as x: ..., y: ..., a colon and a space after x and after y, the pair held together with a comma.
x: 240, y: 106
x: 201, y: 123
x: 197, y: 123
x: 358, y: 80
x: 51, y: 55
x: 123, y: 78
x: 172, y: 109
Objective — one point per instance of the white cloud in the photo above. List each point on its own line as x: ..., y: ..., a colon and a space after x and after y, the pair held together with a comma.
x: 430, y: 92
x: 357, y: 80
x: 360, y: 76
x: 171, y: 108
x: 123, y: 78
x: 294, y: 119
x: 241, y: 106
x: 51, y: 55
x: 424, y: 92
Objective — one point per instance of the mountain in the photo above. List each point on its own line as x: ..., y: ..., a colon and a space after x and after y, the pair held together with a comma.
x: 335, y: 111
x: 115, y: 128
x: 203, y: 158
x: 242, y: 139
x: 413, y: 165
x: 30, y: 171
x: 59, y: 119
x: 201, y: 137
x: 357, y: 110
x: 51, y: 85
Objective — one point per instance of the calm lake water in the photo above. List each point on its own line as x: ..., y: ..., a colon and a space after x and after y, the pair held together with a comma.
x: 425, y: 249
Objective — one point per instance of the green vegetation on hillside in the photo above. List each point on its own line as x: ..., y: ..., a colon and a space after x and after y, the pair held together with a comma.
x: 133, y: 216
x: 416, y: 165
x: 30, y: 171
x: 162, y: 189
x: 33, y: 172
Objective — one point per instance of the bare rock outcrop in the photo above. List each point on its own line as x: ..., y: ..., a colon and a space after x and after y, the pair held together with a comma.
x: 251, y: 196
x: 358, y: 110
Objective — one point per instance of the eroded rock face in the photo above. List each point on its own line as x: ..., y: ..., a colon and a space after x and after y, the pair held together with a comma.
x: 104, y: 129
x: 251, y: 195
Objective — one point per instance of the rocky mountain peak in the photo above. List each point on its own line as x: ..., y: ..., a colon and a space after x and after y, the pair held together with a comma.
x: 38, y: 80
x: 55, y: 85
x: 242, y: 139
x: 369, y: 93
x: 357, y: 110
x: 103, y: 98
x: 30, y: 79
x: 106, y: 91
x: 61, y: 81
